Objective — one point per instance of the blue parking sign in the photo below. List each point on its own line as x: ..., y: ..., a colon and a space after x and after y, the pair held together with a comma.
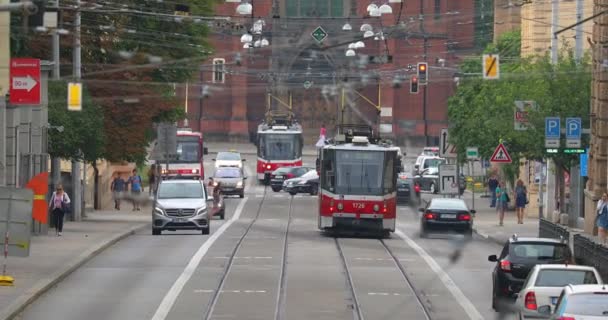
x: 552, y: 128
x: 573, y: 128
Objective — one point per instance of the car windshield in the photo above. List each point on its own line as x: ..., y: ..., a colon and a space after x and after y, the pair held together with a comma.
x: 433, y: 163
x: 283, y: 170
x: 228, y: 156
x: 310, y: 175
x: 588, y: 304
x: 543, y: 251
x: 228, y: 173
x: 181, y: 191
x: 564, y: 277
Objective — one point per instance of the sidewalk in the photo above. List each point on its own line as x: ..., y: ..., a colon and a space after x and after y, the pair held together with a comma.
x: 53, y: 258
x: 486, y: 222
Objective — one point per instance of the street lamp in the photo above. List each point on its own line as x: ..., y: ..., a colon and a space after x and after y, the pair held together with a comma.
x: 245, y: 8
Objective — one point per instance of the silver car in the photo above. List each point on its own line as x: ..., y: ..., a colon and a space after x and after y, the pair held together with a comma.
x: 181, y: 205
x: 231, y: 180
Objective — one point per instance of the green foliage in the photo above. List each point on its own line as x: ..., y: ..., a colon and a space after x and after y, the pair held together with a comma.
x: 482, y: 111
x: 83, y: 131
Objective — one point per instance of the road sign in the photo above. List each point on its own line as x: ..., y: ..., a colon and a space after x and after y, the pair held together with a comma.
x: 574, y: 128
x: 521, y: 114
x: 501, y: 155
x: 446, y: 150
x: 583, y: 163
x: 74, y: 96
x: 25, y: 81
x: 307, y: 84
x: 166, y: 142
x: 552, y: 132
x: 448, y: 182
x: 319, y: 34
x: 491, y: 67
x: 16, y: 214
x: 472, y: 153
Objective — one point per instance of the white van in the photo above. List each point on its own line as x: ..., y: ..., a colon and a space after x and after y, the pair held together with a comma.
x: 425, y: 162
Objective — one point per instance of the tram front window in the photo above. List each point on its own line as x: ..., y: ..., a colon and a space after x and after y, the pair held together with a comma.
x: 280, y: 146
x: 188, y: 150
x: 359, y: 172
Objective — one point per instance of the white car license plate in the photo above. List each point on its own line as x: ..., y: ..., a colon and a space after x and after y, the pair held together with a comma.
x: 278, y: 177
x: 403, y: 189
x: 553, y: 300
x: 448, y: 216
x: 180, y: 220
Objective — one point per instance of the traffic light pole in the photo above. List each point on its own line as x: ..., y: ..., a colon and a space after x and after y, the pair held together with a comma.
x: 424, y: 98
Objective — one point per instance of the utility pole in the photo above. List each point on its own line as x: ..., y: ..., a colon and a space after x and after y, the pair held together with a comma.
x: 77, y: 203
x: 56, y: 161
x: 554, y: 29
x: 424, y: 89
x: 578, y: 47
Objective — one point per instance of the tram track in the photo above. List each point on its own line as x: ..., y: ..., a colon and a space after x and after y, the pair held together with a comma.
x: 358, y: 310
x: 280, y: 298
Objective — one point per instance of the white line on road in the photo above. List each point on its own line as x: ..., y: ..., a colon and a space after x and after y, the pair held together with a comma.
x: 171, y: 296
x: 464, y: 302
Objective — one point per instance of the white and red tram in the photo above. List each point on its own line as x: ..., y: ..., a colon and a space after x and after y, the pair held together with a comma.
x: 357, y: 189
x: 279, y: 145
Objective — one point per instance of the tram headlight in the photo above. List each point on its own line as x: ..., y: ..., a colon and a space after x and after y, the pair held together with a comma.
x: 268, y: 166
x: 194, y: 170
x: 340, y: 206
x: 376, y: 208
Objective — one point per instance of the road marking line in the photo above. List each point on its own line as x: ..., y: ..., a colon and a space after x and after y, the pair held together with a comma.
x: 464, y: 302
x: 169, y: 300
x: 202, y: 291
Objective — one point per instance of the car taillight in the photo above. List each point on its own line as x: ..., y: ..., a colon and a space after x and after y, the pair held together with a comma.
x: 505, y: 265
x: 531, y: 301
x: 566, y: 318
x: 430, y: 216
x: 464, y: 217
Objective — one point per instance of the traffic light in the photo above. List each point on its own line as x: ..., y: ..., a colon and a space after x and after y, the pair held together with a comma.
x: 423, y: 72
x: 414, y: 84
x: 35, y: 18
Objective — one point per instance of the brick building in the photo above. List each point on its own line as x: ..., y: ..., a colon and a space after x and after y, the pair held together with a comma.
x: 238, y: 98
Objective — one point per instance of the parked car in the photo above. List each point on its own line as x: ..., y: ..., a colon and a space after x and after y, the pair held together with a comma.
x: 545, y: 283
x: 405, y: 183
x: 307, y: 183
x: 228, y: 159
x: 518, y: 257
x: 446, y: 215
x: 279, y: 176
x: 583, y: 301
x: 181, y: 205
x: 425, y: 162
x: 231, y: 180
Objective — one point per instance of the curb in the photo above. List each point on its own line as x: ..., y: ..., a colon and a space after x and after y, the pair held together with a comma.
x: 489, y: 237
x: 44, y: 285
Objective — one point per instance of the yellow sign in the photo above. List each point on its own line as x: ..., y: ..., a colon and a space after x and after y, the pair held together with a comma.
x: 74, y: 96
x: 491, y: 67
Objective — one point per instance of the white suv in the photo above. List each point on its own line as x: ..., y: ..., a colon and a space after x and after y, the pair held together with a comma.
x: 546, y: 281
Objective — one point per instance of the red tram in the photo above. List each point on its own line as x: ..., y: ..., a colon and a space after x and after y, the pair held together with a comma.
x: 358, y: 177
x: 279, y: 145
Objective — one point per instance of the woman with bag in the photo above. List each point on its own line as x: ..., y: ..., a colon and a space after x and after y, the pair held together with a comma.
x: 59, y: 206
x: 502, y: 202
x: 521, y: 199
x: 602, y: 217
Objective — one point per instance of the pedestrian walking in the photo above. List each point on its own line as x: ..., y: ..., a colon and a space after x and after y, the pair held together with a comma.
x: 152, y: 179
x: 136, y: 189
x: 59, y: 205
x: 492, y: 185
x: 521, y: 199
x: 502, y: 201
x: 602, y: 217
x: 118, y: 188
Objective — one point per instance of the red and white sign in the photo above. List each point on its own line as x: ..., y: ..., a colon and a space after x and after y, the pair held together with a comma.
x: 25, y: 81
x: 501, y: 155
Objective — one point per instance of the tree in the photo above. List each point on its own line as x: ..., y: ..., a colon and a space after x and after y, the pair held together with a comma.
x: 83, y: 135
x: 481, y: 111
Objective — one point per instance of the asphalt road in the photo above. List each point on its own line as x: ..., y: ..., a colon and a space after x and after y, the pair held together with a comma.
x: 267, y: 260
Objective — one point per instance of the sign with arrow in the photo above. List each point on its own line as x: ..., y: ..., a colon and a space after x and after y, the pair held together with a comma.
x: 25, y: 81
x: 501, y: 155
x: 446, y: 150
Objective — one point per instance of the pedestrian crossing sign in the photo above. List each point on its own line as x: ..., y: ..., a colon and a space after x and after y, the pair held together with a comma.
x: 501, y: 155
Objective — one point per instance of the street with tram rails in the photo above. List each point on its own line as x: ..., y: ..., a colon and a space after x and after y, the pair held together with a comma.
x: 268, y: 260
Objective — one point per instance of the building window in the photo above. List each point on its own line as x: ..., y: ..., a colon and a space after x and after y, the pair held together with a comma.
x: 437, y: 9
x: 314, y: 8
x: 219, y: 70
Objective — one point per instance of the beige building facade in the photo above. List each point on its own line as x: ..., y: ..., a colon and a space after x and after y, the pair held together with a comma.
x: 507, y: 17
x: 536, y: 21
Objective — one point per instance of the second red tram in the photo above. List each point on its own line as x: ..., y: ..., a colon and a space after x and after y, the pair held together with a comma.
x: 357, y: 189
x: 279, y: 145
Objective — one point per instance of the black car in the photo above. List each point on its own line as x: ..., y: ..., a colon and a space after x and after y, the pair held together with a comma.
x: 404, y: 188
x: 307, y: 183
x: 518, y: 257
x: 278, y: 176
x: 446, y: 215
